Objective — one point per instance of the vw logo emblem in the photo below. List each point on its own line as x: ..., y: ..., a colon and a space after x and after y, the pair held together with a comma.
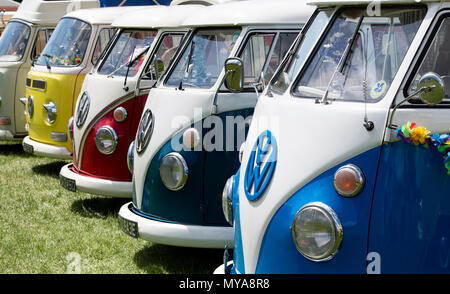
x: 260, y: 165
x: 144, y: 131
x: 82, y: 110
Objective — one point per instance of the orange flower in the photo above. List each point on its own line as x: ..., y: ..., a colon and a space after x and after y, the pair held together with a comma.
x: 419, y: 135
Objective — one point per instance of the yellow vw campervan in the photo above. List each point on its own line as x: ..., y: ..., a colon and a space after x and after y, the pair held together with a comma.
x: 55, y: 80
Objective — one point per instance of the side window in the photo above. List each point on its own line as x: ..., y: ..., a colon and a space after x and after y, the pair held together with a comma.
x: 165, y: 52
x: 103, y: 39
x: 255, y: 54
x: 437, y: 59
x: 263, y: 53
x: 43, y: 35
x: 282, y: 46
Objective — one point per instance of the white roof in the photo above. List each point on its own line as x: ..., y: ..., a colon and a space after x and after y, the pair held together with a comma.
x: 49, y: 12
x: 251, y: 12
x: 156, y: 16
x: 104, y: 15
x: 9, y: 3
x: 364, y: 2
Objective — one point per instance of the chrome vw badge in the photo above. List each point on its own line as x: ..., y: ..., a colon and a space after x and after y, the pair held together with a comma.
x: 82, y: 110
x: 260, y: 166
x: 144, y: 131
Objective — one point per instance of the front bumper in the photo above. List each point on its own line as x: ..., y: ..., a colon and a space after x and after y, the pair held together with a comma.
x: 6, y: 135
x: 225, y: 270
x: 175, y: 234
x: 73, y: 181
x: 41, y: 149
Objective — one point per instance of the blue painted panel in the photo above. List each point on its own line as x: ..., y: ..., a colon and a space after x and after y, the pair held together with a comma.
x: 183, y: 206
x: 410, y: 226
x: 108, y: 3
x: 219, y: 166
x: 200, y: 201
x: 278, y: 253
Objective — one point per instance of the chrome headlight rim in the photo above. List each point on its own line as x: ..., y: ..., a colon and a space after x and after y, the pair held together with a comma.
x: 360, y: 179
x: 338, y: 232
x: 114, y: 139
x: 130, y: 157
x: 184, y: 176
x: 241, y: 151
x: 30, y: 106
x: 227, y: 200
x: 82, y: 109
x: 145, y: 130
x: 70, y: 128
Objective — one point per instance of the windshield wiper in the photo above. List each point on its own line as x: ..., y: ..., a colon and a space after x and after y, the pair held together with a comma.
x: 191, y: 52
x: 130, y: 63
x: 47, y: 57
x: 342, y: 61
x: 286, y: 60
x: 188, y: 62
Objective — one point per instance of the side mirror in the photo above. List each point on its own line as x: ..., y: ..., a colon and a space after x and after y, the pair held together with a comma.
x: 436, y: 88
x: 431, y: 90
x: 234, y: 74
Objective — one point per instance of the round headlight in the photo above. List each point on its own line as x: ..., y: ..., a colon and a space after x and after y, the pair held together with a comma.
x: 30, y: 106
x: 227, y: 200
x: 348, y: 180
x: 144, y: 131
x: 70, y: 128
x: 106, y: 140
x: 317, y: 232
x: 130, y: 157
x: 82, y: 109
x: 173, y: 171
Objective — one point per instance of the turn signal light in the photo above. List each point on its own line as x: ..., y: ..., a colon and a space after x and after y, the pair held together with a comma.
x: 348, y: 180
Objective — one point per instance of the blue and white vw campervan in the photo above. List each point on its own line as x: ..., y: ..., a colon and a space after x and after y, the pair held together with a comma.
x: 192, y: 127
x: 346, y: 164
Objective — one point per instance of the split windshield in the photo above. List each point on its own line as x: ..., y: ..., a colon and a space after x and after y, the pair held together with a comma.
x: 14, y: 41
x: 128, y: 53
x: 360, y: 54
x: 67, y: 45
x: 203, y: 58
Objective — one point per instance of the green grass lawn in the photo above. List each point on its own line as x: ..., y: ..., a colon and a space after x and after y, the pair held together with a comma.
x: 47, y: 230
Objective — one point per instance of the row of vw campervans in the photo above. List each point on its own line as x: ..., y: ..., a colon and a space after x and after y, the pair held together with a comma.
x: 332, y: 120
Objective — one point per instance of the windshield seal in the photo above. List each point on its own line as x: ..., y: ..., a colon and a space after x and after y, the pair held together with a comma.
x: 22, y: 46
x: 343, y: 94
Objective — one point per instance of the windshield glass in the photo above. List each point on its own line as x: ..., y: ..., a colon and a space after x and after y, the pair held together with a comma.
x: 360, y: 55
x: 285, y: 76
x: 14, y: 41
x: 68, y: 44
x: 203, y: 58
x: 131, y: 45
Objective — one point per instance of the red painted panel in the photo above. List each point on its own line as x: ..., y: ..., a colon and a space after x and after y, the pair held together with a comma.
x: 114, y: 166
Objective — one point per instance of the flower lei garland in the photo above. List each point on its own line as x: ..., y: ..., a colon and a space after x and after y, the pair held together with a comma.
x: 411, y: 133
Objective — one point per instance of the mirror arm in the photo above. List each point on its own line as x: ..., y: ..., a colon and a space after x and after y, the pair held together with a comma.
x: 214, y: 105
x: 418, y: 92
